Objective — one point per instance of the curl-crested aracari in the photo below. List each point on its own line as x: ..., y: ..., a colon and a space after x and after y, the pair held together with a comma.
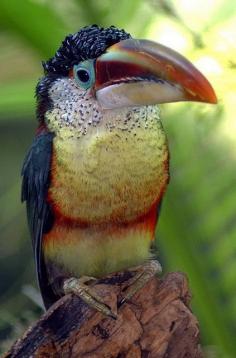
x: 95, y: 175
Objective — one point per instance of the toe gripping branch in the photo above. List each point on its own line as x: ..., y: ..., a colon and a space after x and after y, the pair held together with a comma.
x: 87, y: 294
x: 137, y: 276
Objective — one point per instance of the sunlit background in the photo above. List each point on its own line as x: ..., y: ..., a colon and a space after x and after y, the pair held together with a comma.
x: 197, y: 229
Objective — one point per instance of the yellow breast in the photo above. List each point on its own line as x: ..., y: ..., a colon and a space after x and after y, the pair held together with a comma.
x: 109, y: 175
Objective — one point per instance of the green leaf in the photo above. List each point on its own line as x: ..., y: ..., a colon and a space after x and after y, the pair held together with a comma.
x: 17, y: 100
x: 35, y: 22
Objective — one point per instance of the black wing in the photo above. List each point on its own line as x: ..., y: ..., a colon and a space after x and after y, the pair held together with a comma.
x: 35, y: 183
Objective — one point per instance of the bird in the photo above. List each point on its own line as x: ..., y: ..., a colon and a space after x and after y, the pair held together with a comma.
x: 95, y: 175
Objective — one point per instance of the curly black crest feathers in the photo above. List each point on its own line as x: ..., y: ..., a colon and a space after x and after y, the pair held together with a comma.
x: 90, y: 42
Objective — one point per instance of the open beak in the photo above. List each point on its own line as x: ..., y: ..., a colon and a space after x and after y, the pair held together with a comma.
x: 141, y: 72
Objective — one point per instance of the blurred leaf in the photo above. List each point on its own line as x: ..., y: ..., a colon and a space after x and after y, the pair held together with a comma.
x: 93, y: 12
x: 36, y: 22
x: 17, y: 99
x: 226, y: 9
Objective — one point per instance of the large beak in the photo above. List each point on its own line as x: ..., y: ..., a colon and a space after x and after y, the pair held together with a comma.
x: 141, y: 72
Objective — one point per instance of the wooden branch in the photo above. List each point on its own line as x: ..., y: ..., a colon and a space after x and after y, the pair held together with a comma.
x: 156, y: 323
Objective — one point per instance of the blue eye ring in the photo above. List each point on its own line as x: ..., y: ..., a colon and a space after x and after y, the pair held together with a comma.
x: 84, y: 74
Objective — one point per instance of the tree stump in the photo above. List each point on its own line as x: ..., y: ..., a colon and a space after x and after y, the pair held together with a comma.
x: 156, y: 323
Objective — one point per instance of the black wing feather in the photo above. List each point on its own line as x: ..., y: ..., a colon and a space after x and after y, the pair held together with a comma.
x: 35, y: 183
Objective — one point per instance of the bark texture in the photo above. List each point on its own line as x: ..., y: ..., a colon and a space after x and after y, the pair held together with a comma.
x: 156, y: 323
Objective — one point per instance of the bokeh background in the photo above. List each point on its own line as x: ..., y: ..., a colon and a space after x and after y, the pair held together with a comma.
x: 197, y: 228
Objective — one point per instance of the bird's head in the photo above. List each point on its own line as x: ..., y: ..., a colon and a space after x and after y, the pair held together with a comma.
x: 97, y: 70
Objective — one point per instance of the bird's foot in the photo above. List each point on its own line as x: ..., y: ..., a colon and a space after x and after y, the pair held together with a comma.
x: 79, y: 287
x: 143, y: 274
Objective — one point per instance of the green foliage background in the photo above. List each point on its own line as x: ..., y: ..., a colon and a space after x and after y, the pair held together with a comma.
x: 197, y: 228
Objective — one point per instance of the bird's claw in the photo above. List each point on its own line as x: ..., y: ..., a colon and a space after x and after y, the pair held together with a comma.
x: 87, y: 294
x: 143, y: 274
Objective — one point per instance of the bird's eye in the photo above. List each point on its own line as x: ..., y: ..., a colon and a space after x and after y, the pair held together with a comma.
x: 84, y: 74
